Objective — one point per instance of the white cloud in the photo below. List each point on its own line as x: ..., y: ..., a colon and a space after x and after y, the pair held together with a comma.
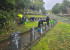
x: 50, y: 3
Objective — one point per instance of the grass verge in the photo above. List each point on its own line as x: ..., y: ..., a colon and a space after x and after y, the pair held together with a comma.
x: 34, y: 16
x: 58, y: 38
x: 64, y: 19
x: 22, y: 28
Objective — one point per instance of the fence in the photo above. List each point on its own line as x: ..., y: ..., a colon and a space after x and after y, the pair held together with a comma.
x: 27, y: 39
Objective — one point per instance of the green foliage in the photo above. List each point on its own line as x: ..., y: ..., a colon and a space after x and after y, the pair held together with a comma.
x: 49, y: 11
x: 6, y: 5
x: 11, y: 1
x: 56, y: 9
x: 43, y: 10
x: 21, y: 4
x: 61, y: 7
x: 9, y: 10
x: 66, y: 3
x: 37, y: 5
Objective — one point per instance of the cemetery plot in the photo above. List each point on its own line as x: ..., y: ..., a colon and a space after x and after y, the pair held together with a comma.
x: 28, y: 38
x: 58, y: 38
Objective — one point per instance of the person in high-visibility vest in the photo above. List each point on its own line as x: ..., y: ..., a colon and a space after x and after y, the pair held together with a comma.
x: 22, y: 18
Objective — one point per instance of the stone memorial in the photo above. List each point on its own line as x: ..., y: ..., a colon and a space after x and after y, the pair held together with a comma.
x: 16, y: 41
x: 32, y: 34
x: 41, y: 31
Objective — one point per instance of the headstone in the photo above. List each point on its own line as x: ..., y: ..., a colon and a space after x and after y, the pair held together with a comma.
x: 34, y: 19
x: 32, y: 35
x: 45, y: 26
x: 41, y: 31
x: 39, y: 18
x: 16, y: 41
x: 24, y: 12
x: 26, y: 19
x: 27, y: 12
x: 49, y: 25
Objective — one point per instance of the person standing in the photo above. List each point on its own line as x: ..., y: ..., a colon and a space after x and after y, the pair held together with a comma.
x: 47, y: 20
x: 23, y: 19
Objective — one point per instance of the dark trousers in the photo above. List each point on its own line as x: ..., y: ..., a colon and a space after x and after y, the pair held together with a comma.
x: 48, y: 23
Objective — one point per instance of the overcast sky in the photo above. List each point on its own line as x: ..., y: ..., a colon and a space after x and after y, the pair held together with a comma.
x: 50, y: 3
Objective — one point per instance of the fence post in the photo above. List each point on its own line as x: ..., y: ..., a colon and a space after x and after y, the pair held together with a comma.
x: 39, y: 18
x: 26, y: 19
x: 49, y: 25
x: 36, y: 18
x: 45, y: 26
x: 16, y: 41
x: 32, y: 34
x: 41, y: 31
x: 53, y: 22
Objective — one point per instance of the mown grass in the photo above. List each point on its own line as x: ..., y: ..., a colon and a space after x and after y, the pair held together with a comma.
x: 22, y: 28
x: 64, y: 19
x: 26, y: 27
x: 34, y: 16
x: 58, y: 38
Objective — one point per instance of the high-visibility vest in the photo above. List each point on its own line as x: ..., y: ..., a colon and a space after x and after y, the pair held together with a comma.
x: 20, y: 15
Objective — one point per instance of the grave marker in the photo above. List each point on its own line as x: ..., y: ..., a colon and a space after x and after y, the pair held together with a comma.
x: 16, y: 41
x: 41, y: 31
x: 32, y: 35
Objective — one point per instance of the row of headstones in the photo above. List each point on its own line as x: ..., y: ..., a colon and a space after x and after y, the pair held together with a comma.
x: 16, y: 37
x: 30, y: 20
x: 32, y: 35
x: 35, y: 19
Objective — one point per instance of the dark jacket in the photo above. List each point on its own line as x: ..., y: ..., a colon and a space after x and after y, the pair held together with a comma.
x: 40, y: 22
x: 47, y: 19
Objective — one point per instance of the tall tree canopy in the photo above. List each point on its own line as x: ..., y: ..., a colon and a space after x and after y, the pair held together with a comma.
x: 55, y: 9
x: 61, y: 7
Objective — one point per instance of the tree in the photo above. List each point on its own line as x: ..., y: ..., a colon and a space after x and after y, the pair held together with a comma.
x: 63, y: 8
x: 6, y: 5
x: 66, y: 3
x: 56, y: 9
x: 21, y: 4
x: 43, y: 10
x: 36, y: 5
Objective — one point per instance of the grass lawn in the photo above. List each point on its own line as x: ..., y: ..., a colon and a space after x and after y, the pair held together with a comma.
x: 34, y: 16
x: 26, y: 27
x: 64, y: 19
x: 22, y: 28
x: 58, y: 38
